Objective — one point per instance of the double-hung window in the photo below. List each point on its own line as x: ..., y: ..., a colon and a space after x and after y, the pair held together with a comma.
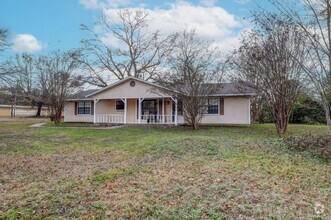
x: 212, y: 106
x: 119, y: 105
x: 84, y: 108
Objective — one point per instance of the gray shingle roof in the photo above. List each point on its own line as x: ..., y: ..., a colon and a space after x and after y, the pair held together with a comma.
x: 235, y: 89
x: 82, y: 94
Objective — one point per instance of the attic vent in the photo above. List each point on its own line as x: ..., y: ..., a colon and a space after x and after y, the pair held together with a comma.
x: 132, y: 83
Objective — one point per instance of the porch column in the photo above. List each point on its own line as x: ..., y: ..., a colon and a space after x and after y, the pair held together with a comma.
x: 163, y: 111
x: 140, y: 100
x: 139, y: 111
x: 176, y: 112
x: 125, y: 108
x: 94, y: 110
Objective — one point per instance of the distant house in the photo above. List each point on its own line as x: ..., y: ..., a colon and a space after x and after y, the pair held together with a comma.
x: 21, y: 111
x: 132, y: 101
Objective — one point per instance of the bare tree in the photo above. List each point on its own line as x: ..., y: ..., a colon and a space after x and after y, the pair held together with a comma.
x: 3, y: 39
x: 193, y: 74
x: 57, y: 72
x: 24, y: 80
x: 138, y: 52
x: 314, y: 18
x: 4, y: 72
x: 268, y: 56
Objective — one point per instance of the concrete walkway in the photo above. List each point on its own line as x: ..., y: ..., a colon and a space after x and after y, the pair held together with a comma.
x: 37, y: 125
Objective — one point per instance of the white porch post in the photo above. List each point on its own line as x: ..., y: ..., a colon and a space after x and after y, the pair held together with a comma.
x: 140, y: 100
x: 163, y: 110
x: 95, y: 110
x: 176, y: 112
x: 125, y: 108
x: 157, y: 110
x: 139, y: 111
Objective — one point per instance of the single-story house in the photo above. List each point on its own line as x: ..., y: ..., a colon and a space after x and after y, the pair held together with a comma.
x: 132, y: 101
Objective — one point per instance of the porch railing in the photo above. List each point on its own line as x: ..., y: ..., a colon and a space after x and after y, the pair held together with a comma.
x: 157, y: 119
x: 111, y: 119
x: 145, y: 119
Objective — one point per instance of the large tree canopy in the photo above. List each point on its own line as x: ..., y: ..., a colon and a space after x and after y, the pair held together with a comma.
x: 314, y: 19
x: 125, y: 47
x: 268, y: 57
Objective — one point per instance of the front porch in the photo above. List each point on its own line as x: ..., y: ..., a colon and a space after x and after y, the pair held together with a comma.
x: 136, y: 111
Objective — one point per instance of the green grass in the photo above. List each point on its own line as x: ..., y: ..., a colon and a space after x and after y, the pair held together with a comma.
x: 159, y: 173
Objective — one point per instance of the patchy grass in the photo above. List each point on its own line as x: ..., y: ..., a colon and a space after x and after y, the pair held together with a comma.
x: 115, y: 173
x: 315, y: 145
x: 160, y: 173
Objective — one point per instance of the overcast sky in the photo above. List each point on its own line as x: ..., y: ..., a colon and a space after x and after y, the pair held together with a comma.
x: 38, y: 26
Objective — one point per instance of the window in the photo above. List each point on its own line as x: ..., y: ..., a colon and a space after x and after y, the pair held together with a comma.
x: 149, y: 107
x: 119, y: 105
x: 84, y: 108
x: 211, y: 106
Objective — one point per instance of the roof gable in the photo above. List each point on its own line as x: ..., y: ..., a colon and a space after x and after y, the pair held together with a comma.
x: 121, y: 82
x: 130, y: 87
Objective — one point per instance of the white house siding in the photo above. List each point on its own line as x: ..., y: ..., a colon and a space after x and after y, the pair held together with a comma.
x: 69, y: 114
x: 236, y: 112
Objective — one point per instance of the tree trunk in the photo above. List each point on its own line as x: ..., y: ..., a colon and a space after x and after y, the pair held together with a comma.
x: 281, y: 120
x: 39, y: 107
x: 57, y: 119
x: 254, y: 112
x: 195, y: 125
x: 327, y: 107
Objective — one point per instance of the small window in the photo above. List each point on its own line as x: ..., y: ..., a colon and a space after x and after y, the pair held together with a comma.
x: 211, y: 106
x: 84, y: 108
x: 119, y: 105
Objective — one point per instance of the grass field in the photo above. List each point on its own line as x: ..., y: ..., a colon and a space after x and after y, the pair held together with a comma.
x: 159, y: 173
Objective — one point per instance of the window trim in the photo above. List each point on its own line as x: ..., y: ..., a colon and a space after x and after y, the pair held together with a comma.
x: 119, y: 110
x: 89, y: 107
x: 218, y: 107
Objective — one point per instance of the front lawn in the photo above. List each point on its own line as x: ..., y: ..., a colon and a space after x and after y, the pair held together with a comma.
x: 159, y: 173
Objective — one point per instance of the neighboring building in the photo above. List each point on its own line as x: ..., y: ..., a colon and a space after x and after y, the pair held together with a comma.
x: 131, y: 101
x: 21, y: 111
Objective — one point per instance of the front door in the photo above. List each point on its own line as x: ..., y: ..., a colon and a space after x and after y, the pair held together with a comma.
x: 149, y: 110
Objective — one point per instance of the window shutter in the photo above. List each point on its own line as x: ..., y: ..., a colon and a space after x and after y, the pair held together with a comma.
x: 92, y: 107
x: 221, y: 106
x: 76, y: 106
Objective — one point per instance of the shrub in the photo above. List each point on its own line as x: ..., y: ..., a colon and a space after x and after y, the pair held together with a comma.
x: 316, y: 145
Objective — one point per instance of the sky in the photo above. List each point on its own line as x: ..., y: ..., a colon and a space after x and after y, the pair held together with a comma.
x: 40, y: 26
